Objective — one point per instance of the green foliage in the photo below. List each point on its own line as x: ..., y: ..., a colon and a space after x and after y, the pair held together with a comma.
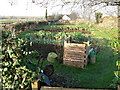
x: 77, y: 36
x: 81, y: 26
x: 41, y: 34
x: 116, y: 80
x: 115, y: 45
x: 60, y: 36
x: 14, y: 75
x: 98, y: 17
x: 44, y: 37
x: 34, y: 54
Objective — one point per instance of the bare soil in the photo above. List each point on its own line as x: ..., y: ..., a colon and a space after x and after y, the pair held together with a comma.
x: 44, y: 49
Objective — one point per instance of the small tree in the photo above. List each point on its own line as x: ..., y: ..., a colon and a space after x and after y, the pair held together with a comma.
x: 55, y: 17
x: 46, y: 14
x: 98, y: 17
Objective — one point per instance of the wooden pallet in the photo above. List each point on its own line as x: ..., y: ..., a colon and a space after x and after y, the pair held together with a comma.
x: 75, y: 55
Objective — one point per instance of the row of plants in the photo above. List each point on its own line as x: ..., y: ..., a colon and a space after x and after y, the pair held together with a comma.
x: 116, y: 47
x: 53, y: 37
x: 43, y: 37
x: 65, y: 27
x: 116, y: 80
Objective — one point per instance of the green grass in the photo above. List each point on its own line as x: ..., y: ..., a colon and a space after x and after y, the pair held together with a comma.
x: 107, y: 33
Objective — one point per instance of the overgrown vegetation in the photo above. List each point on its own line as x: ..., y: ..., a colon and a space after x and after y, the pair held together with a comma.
x: 82, y: 26
x: 16, y: 73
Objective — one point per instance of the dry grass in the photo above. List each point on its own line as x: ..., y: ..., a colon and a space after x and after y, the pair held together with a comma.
x: 109, y: 22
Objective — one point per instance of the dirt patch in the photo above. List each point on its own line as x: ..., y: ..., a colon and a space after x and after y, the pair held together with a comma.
x: 62, y: 80
x: 44, y: 49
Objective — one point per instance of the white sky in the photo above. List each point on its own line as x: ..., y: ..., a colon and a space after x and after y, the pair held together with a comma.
x: 24, y: 8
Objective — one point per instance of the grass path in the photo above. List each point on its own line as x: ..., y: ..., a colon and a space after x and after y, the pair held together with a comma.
x: 99, y: 75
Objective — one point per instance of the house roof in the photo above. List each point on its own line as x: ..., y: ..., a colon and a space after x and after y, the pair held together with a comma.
x: 109, y: 0
x: 66, y: 17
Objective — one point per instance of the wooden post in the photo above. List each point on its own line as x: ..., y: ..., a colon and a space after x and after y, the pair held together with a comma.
x: 93, y: 59
x: 36, y: 85
x: 118, y: 87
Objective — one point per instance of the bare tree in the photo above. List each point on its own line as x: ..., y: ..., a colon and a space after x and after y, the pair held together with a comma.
x: 84, y: 7
x: 12, y: 2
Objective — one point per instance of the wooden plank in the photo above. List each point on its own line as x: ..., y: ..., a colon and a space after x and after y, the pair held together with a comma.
x: 78, y: 51
x: 61, y: 88
x: 75, y: 54
x: 69, y: 60
x: 74, y: 44
x: 75, y: 64
x: 74, y: 48
x: 75, y: 58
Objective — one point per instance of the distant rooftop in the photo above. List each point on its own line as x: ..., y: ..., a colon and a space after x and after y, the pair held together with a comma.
x: 111, y: 0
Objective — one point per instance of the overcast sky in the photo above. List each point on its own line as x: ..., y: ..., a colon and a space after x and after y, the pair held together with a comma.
x: 25, y: 8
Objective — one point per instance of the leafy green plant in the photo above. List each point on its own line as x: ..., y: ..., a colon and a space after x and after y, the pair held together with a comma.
x: 116, y: 80
x: 60, y: 36
x: 77, y: 36
x: 41, y: 34
x: 115, y: 45
x: 14, y: 75
x: 49, y: 35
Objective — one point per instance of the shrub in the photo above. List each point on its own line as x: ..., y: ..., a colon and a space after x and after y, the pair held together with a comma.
x: 14, y: 74
x: 98, y: 17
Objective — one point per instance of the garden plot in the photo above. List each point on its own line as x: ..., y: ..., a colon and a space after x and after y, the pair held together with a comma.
x: 101, y: 72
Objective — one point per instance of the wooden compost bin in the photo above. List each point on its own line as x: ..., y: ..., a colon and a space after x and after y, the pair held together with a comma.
x: 75, y: 55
